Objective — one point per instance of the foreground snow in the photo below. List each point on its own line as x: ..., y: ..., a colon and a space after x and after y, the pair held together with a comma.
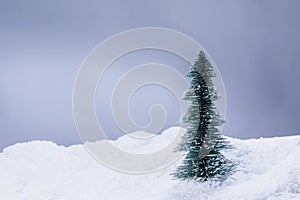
x: 268, y: 169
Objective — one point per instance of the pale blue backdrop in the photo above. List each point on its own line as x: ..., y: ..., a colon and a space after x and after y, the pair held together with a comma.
x: 255, y: 44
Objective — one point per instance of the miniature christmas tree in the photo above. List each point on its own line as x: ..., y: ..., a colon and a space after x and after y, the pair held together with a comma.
x: 203, y: 141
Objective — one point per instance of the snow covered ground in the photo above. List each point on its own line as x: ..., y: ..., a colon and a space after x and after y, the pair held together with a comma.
x: 268, y: 169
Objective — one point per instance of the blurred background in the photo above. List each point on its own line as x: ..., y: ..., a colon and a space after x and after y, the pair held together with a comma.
x: 255, y: 45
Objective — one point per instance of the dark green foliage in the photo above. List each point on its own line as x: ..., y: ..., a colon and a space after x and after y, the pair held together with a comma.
x: 203, y: 141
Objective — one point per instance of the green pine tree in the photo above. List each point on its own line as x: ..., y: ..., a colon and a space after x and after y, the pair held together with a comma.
x: 203, y: 141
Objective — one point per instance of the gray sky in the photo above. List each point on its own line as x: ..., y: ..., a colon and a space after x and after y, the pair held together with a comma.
x: 255, y: 45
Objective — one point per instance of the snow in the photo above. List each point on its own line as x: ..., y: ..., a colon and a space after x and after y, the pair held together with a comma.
x: 269, y: 168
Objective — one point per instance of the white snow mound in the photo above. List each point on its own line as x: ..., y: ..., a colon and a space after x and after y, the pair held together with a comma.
x: 268, y: 169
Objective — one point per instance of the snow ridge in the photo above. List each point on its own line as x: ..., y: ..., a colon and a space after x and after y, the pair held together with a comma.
x: 269, y: 168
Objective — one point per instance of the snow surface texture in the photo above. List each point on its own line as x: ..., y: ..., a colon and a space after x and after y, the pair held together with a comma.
x: 268, y: 169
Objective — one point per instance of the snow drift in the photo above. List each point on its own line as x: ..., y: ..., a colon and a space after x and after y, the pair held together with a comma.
x: 268, y: 169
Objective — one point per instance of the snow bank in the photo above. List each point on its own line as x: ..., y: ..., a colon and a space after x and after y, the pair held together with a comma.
x: 268, y: 169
